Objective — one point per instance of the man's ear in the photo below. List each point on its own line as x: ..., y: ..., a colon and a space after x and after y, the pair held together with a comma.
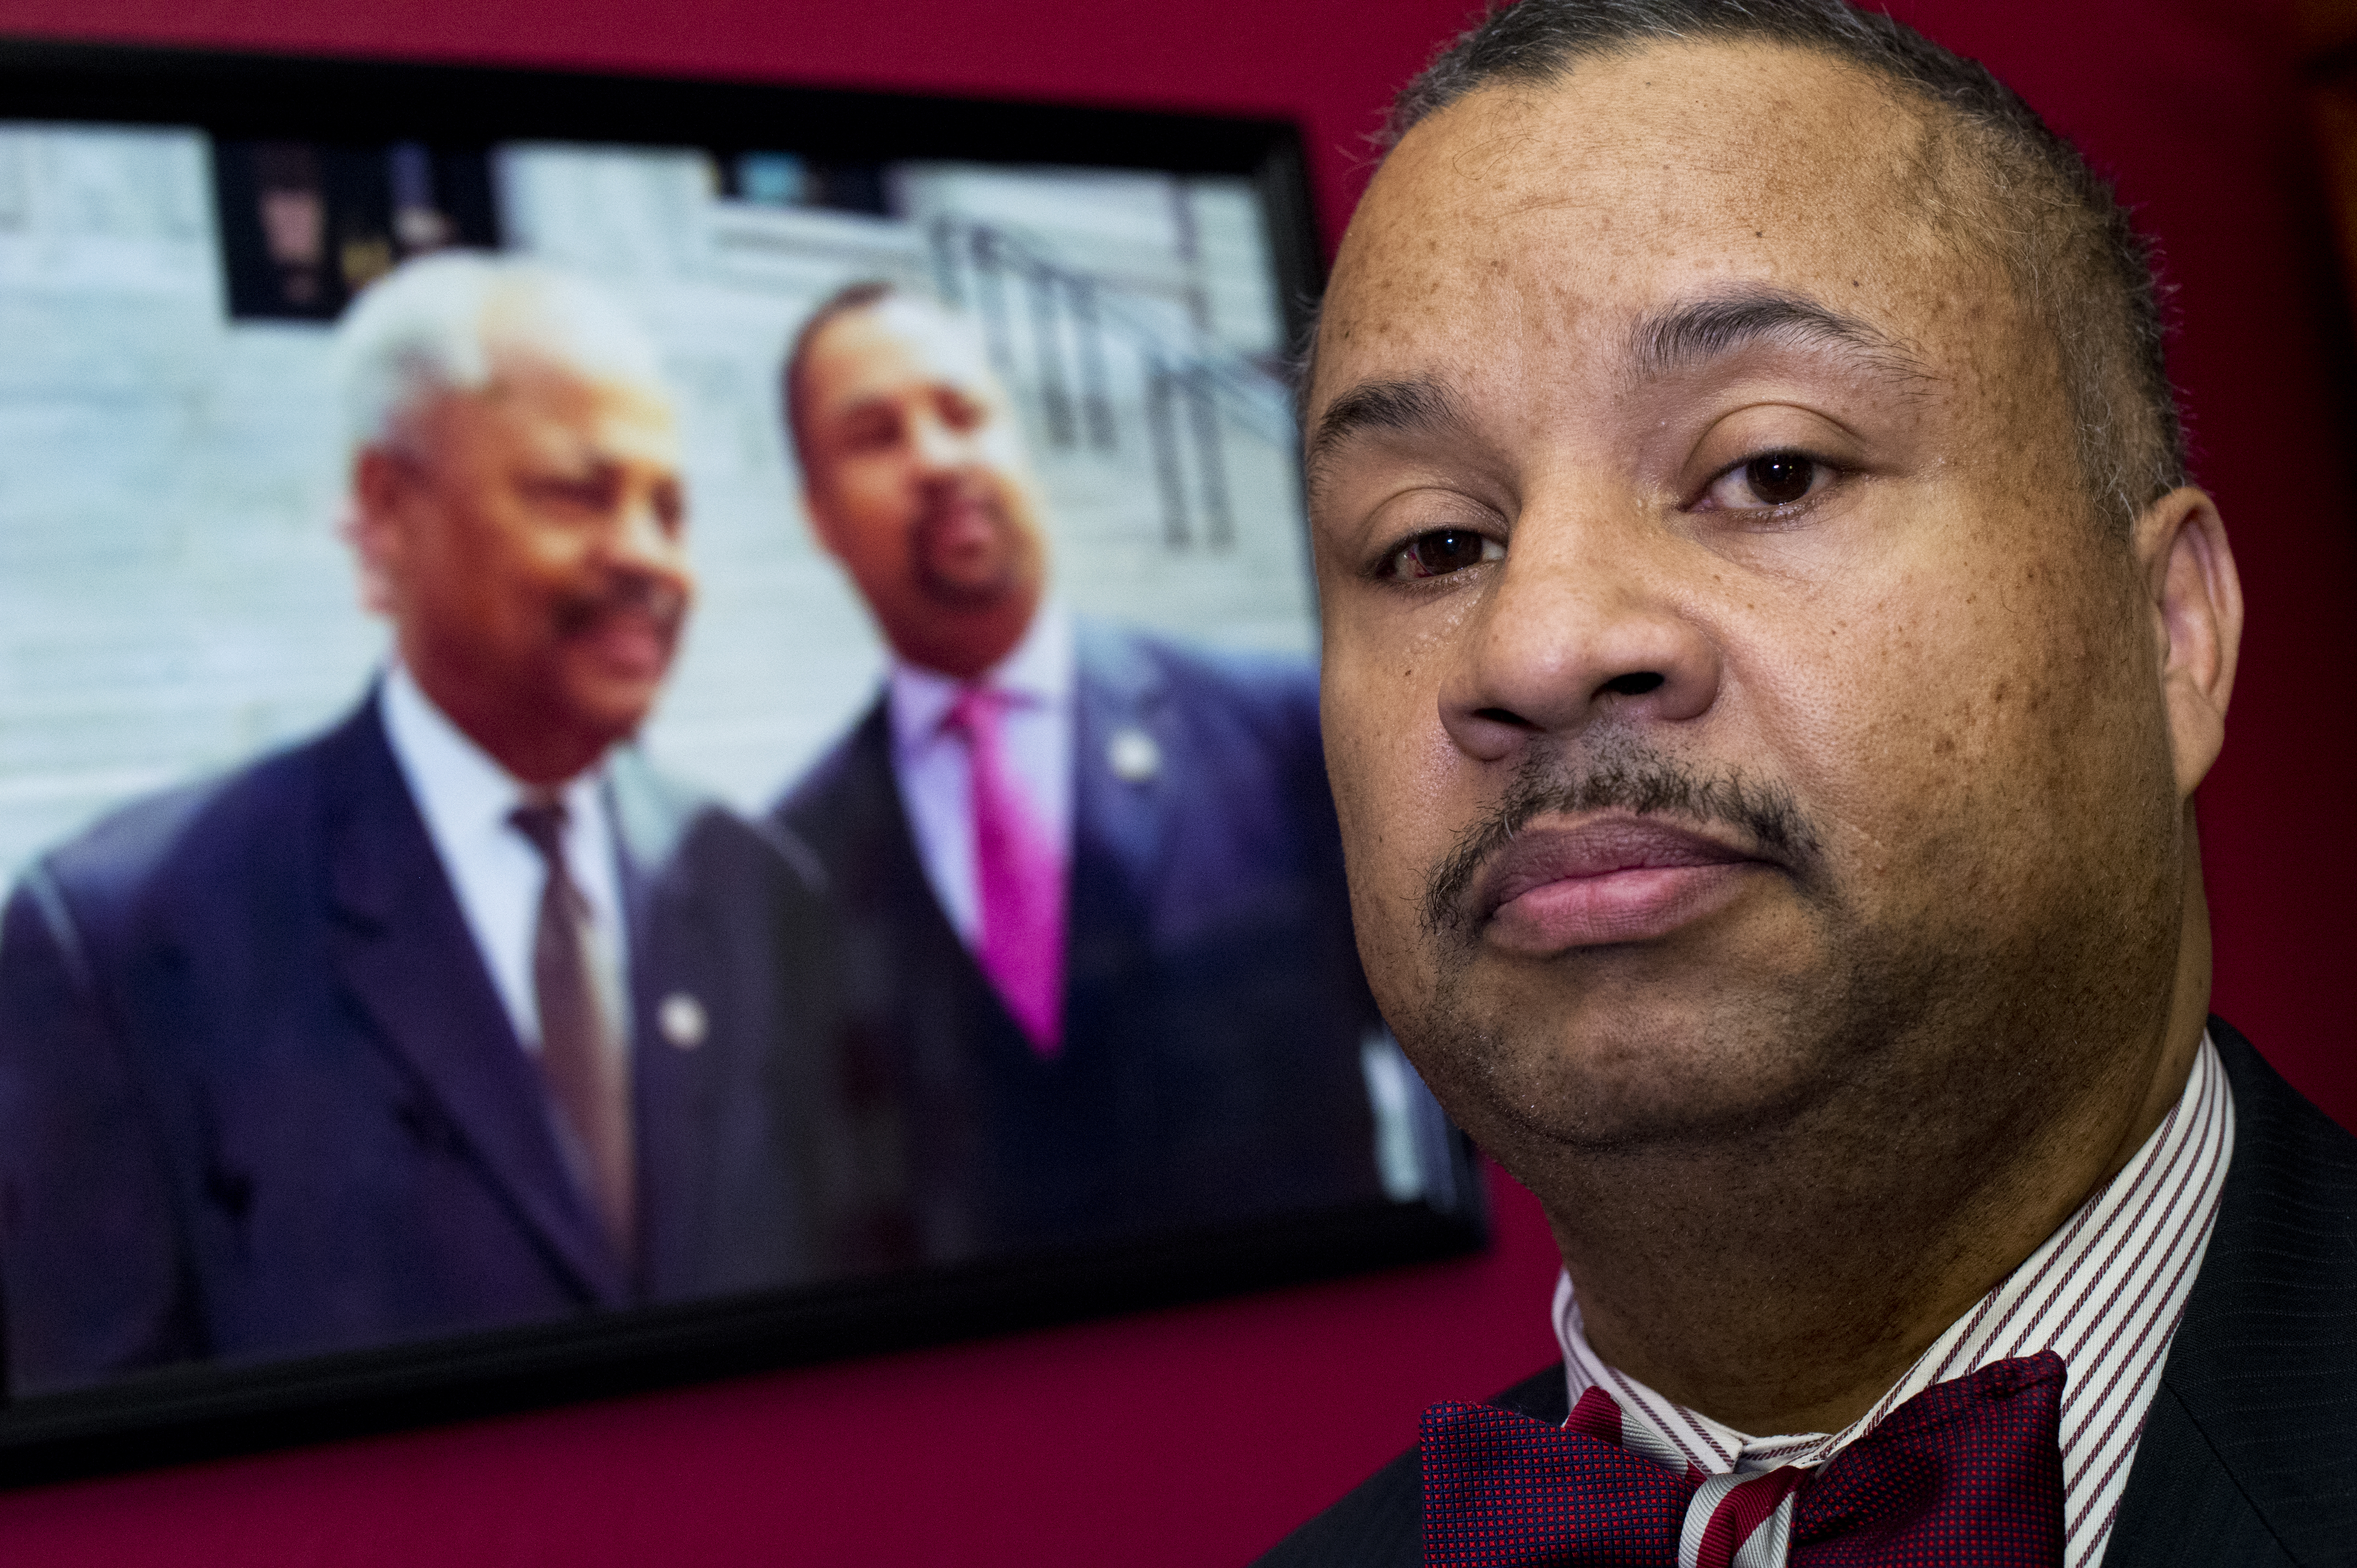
x: 372, y: 525
x: 2195, y: 601
x: 820, y: 527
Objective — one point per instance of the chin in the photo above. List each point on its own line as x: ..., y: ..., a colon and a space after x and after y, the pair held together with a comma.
x: 610, y: 707
x: 1605, y: 1067
x: 969, y: 592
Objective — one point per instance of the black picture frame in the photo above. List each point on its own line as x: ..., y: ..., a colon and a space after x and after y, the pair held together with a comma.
x: 210, y: 1409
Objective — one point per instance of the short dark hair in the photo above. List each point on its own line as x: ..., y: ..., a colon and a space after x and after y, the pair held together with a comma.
x: 864, y: 294
x: 2056, y: 226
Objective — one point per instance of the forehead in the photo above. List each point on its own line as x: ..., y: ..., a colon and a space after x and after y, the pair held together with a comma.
x: 1508, y: 228
x: 541, y: 395
x: 890, y: 347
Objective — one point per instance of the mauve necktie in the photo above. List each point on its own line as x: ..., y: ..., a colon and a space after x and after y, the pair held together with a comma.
x: 582, y: 1054
x: 1968, y: 1473
x: 1019, y: 873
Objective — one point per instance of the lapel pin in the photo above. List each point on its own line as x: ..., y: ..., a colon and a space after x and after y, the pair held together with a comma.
x: 1133, y: 755
x: 680, y: 1018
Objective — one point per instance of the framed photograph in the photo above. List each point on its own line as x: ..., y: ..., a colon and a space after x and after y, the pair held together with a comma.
x: 648, y: 728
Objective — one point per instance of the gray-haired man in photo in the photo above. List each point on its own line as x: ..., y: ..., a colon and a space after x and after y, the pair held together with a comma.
x: 457, y: 1015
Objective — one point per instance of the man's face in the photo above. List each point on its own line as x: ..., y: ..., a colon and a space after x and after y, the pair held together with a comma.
x: 1730, y: 700
x: 914, y: 473
x: 532, y: 540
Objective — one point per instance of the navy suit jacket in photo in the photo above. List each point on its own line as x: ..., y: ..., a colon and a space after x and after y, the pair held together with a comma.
x: 260, y: 1098
x: 1214, y: 1013
x: 2249, y: 1453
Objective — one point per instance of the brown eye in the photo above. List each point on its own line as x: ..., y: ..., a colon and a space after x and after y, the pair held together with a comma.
x: 1759, y: 489
x: 590, y: 493
x: 1443, y: 551
x: 1781, y: 478
x: 870, y: 430
x: 959, y: 412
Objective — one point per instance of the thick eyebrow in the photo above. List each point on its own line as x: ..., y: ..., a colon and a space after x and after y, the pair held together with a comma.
x: 1417, y: 405
x: 1701, y: 330
x: 1691, y: 333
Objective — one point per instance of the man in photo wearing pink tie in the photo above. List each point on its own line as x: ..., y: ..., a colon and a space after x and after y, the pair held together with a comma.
x: 1099, y: 945
x: 1772, y: 645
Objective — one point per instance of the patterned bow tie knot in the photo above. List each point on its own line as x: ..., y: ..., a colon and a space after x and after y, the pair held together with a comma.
x: 1968, y: 1473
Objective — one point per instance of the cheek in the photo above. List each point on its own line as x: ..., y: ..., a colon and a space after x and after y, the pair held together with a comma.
x: 1392, y: 765
x: 843, y: 533
x: 481, y: 564
x: 522, y: 566
x: 542, y: 558
x: 1955, y: 738
x: 876, y: 503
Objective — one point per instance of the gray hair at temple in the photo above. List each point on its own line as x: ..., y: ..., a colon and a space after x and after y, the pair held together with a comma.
x: 2028, y: 197
x: 432, y: 326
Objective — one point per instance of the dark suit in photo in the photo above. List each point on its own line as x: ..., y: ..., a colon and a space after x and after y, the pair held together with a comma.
x: 2243, y: 1460
x: 258, y: 1096
x: 1214, y: 1008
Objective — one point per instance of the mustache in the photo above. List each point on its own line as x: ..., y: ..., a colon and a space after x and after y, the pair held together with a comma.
x: 1638, y: 780
x: 940, y: 496
x: 663, y: 602
x: 939, y: 504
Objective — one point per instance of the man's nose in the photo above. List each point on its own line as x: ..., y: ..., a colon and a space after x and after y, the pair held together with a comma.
x: 647, y: 535
x: 1584, y: 622
x: 939, y: 447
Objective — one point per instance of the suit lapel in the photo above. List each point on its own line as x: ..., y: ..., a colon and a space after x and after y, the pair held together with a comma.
x: 669, y: 1086
x: 1119, y: 816
x: 1118, y: 827
x: 403, y: 952
x: 889, y: 876
x: 2183, y: 1506
x: 883, y: 877
x: 2246, y: 1454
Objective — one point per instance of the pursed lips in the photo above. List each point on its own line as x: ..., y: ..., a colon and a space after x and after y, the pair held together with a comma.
x: 1608, y: 879
x: 631, y: 636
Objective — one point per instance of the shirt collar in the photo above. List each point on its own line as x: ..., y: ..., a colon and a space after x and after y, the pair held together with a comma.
x: 457, y: 780
x: 1038, y: 673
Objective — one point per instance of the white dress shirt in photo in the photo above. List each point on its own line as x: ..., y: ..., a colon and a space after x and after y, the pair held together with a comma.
x: 465, y: 798
x: 935, y: 776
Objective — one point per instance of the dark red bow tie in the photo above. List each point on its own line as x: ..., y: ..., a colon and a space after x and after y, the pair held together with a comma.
x: 1966, y: 1474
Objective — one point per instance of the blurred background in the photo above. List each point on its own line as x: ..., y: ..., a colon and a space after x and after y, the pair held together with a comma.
x: 1200, y: 1436
x: 169, y: 335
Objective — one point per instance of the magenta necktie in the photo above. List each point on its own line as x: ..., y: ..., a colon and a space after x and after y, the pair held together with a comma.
x: 1968, y: 1474
x: 1019, y: 875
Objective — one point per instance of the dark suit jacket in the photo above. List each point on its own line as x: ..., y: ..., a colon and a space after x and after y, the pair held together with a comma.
x: 1214, y: 1013
x: 259, y: 1097
x: 2249, y: 1453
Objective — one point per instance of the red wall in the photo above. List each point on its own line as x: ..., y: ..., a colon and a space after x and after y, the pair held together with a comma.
x: 1197, y: 1437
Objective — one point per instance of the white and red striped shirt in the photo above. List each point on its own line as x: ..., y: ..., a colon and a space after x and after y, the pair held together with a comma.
x: 2104, y: 1292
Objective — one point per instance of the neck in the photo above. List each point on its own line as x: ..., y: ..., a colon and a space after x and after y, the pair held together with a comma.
x: 967, y: 643
x: 1782, y: 1283
x: 528, y: 747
